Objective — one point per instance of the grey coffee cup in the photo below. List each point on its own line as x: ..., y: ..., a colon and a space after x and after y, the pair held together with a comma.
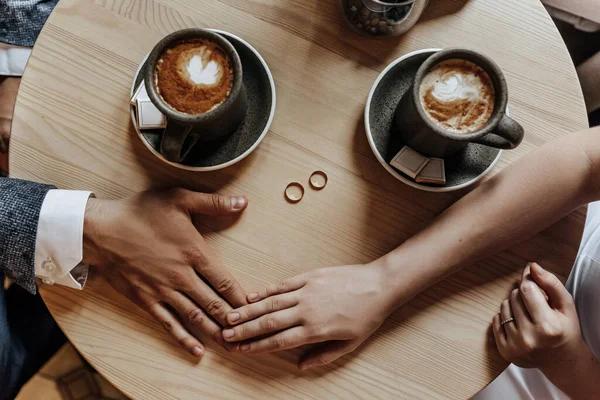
x: 421, y: 134
x: 184, y: 131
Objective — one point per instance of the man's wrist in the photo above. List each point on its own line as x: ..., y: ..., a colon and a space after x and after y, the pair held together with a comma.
x: 91, y: 228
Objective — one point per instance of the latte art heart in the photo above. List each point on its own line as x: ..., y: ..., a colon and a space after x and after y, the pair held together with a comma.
x: 202, y: 73
x: 194, y: 76
x: 457, y: 96
x: 452, y: 86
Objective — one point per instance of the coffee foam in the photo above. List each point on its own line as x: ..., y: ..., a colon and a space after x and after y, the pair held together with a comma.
x: 194, y: 76
x: 458, y: 96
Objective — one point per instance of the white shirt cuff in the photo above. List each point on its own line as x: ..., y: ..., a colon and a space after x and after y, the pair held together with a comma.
x: 59, y: 240
x: 13, y: 60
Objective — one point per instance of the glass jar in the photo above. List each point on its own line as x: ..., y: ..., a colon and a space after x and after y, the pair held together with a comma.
x: 381, y: 18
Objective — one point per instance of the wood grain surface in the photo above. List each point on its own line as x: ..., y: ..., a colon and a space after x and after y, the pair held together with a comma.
x: 72, y: 129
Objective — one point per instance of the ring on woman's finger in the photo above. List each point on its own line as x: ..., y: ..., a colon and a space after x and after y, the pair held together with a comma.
x: 506, y: 321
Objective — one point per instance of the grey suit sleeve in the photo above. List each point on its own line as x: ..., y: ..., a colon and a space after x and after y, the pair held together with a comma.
x: 20, y: 204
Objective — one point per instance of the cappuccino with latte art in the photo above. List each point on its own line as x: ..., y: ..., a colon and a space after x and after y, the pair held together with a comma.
x: 457, y: 96
x: 194, y: 76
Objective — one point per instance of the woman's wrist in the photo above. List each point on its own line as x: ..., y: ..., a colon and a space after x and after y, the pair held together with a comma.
x: 415, y: 266
x: 571, y: 371
x: 397, y: 285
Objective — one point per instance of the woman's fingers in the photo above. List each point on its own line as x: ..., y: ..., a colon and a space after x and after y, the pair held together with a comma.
x: 194, y: 318
x: 558, y: 296
x: 527, y: 275
x: 264, y: 325
x: 519, y: 310
x: 499, y: 333
x: 287, y: 339
x: 174, y: 327
x: 533, y: 298
x: 326, y: 354
x: 288, y: 285
x: 258, y: 309
x: 506, y: 313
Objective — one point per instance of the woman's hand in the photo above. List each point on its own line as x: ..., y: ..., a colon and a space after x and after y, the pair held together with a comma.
x: 545, y: 333
x: 344, y: 305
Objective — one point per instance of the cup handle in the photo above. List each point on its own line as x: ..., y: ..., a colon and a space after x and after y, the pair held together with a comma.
x: 508, y: 135
x: 176, y: 141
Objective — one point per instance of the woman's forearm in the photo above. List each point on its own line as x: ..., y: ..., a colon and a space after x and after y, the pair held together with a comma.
x: 526, y: 197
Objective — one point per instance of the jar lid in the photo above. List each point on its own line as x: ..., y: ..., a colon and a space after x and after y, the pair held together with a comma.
x: 381, y: 6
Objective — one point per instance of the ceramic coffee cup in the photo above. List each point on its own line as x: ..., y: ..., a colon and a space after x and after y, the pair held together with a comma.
x: 184, y: 131
x: 419, y: 132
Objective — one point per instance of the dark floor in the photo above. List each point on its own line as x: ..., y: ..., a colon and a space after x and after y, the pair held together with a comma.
x: 581, y: 45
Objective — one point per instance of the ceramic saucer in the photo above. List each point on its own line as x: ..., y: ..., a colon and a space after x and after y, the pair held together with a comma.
x: 462, y: 169
x: 260, y: 89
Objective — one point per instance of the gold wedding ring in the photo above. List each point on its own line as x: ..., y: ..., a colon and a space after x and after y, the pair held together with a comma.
x: 294, y: 192
x: 318, y: 180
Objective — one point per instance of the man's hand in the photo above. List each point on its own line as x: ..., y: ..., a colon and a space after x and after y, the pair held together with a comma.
x: 344, y: 305
x: 545, y: 333
x: 147, y: 247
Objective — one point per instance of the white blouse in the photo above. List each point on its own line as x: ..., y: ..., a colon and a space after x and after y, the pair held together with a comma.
x: 584, y: 284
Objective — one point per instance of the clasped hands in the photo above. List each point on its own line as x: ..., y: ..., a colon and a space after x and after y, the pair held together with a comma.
x: 543, y: 329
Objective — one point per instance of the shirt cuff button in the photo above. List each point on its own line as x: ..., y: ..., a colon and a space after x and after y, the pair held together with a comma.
x: 48, y: 281
x: 49, y: 266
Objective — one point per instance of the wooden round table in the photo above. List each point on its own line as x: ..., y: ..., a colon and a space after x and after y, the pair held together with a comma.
x: 72, y: 128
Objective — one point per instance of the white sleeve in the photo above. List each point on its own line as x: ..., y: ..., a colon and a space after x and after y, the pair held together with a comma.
x: 59, y: 240
x: 13, y: 60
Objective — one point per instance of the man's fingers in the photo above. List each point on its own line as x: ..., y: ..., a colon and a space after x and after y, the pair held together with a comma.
x: 207, y: 265
x: 288, y: 285
x: 264, y: 325
x: 174, y: 327
x: 288, y: 339
x: 202, y: 258
x: 558, y: 296
x: 258, y: 309
x: 194, y: 318
x: 211, y: 204
x: 326, y: 354
x: 210, y: 302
